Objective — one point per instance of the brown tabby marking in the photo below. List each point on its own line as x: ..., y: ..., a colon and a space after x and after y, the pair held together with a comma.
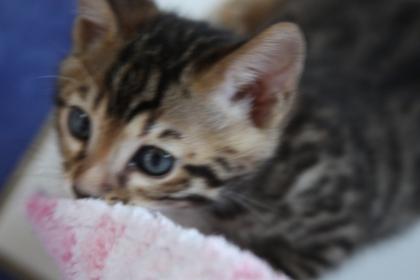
x: 303, y: 178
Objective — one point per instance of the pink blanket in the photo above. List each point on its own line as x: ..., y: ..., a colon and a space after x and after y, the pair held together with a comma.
x: 91, y: 240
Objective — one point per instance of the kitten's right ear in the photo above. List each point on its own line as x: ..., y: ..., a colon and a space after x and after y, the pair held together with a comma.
x: 102, y: 21
x: 258, y: 81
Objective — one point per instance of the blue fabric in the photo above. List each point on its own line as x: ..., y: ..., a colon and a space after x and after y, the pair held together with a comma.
x: 34, y: 36
x: 6, y: 276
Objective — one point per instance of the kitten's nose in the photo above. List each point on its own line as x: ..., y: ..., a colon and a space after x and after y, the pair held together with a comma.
x: 80, y: 193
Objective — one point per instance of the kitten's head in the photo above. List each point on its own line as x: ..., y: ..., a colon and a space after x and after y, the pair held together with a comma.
x: 158, y: 110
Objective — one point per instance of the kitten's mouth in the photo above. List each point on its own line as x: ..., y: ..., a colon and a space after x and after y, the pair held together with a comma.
x: 187, y: 201
x: 167, y: 201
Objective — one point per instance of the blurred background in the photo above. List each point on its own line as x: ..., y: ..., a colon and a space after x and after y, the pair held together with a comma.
x: 34, y: 36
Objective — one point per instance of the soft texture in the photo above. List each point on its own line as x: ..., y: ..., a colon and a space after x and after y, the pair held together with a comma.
x: 92, y: 240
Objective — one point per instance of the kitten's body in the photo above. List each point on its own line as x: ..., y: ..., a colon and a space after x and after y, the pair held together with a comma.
x: 347, y: 171
x: 347, y: 164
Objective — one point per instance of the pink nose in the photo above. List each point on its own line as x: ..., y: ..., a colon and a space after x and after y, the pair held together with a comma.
x: 81, y: 193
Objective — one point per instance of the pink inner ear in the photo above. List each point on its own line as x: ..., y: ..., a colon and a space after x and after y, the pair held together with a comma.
x: 262, y: 101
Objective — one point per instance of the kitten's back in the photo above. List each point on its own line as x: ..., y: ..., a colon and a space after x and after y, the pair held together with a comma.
x: 363, y: 64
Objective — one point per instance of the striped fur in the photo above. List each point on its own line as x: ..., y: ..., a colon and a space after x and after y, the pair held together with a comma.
x: 303, y: 180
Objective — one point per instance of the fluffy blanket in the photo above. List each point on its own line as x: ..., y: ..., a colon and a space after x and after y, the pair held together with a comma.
x: 91, y: 240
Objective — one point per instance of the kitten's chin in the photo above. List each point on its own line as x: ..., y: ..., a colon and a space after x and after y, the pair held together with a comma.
x: 195, y: 217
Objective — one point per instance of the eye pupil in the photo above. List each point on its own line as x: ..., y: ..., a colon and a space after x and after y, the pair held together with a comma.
x: 153, y: 161
x: 79, y: 124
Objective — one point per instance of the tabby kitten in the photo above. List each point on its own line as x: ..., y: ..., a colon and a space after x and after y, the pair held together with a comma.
x: 209, y: 128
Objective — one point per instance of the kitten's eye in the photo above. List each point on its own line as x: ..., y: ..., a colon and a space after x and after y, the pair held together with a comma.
x: 78, y: 123
x: 153, y: 161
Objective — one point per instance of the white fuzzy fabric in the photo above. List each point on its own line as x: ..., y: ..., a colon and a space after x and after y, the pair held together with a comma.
x: 91, y: 240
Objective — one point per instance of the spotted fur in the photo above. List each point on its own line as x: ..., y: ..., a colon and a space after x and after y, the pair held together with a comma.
x: 302, y: 178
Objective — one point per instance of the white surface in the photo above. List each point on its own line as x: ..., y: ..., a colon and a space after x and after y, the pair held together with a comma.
x: 17, y: 241
x: 398, y: 259
x: 395, y: 259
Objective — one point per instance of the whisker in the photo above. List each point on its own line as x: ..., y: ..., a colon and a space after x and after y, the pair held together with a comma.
x: 250, y: 201
x: 58, y: 175
x: 47, y: 168
x: 47, y: 173
x: 247, y: 206
x: 56, y: 77
x: 36, y: 177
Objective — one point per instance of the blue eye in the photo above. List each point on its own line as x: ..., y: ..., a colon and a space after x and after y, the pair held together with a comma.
x: 153, y: 161
x: 78, y: 123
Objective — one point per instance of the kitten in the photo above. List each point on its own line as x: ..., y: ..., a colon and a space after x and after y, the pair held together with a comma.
x: 209, y: 127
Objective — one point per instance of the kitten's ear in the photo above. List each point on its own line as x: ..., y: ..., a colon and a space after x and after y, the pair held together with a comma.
x: 101, y: 21
x: 260, y: 79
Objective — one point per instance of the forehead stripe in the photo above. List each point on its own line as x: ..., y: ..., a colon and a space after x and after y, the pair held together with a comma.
x: 134, y: 81
x: 153, y: 104
x: 205, y: 172
x: 170, y: 134
x: 167, y: 53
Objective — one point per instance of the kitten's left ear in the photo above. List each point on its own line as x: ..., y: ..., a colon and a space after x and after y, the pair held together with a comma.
x: 130, y: 14
x: 260, y: 79
x: 102, y: 21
